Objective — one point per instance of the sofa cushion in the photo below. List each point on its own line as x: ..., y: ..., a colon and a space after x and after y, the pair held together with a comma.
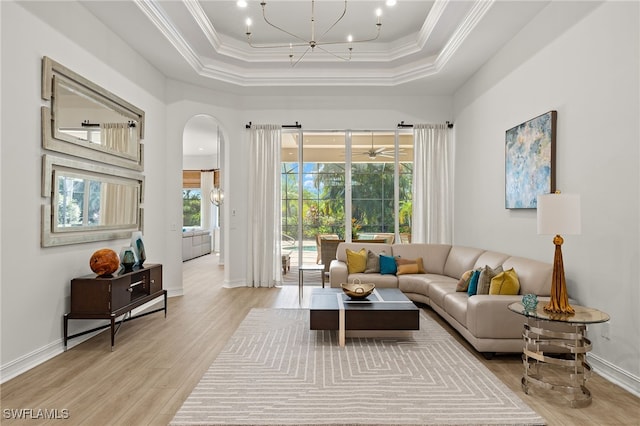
x: 388, y: 265
x: 414, y: 284
x: 534, y: 276
x: 461, y: 259
x: 374, y: 247
x: 505, y: 283
x: 484, y: 279
x: 356, y: 261
x: 439, y: 287
x: 455, y: 304
x: 491, y: 258
x: 381, y: 281
x: 433, y: 256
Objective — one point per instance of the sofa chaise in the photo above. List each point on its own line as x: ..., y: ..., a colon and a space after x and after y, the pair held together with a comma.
x: 482, y: 319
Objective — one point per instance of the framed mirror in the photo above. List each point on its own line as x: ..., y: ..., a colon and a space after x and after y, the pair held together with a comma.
x: 88, y: 202
x: 87, y: 121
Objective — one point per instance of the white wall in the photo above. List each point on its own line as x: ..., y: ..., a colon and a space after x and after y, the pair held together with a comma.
x: 35, y: 280
x: 195, y: 162
x: 588, y: 72
x: 313, y: 112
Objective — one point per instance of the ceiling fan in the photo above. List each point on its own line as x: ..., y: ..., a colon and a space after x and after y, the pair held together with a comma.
x: 373, y: 153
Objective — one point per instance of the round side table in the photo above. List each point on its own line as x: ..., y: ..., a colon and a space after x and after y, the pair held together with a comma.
x: 544, y: 344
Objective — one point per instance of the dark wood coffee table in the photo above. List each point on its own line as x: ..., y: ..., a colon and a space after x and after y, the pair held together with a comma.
x: 386, y: 309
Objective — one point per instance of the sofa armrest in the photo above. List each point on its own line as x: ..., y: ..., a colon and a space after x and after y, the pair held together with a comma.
x: 488, y: 316
x: 338, y: 273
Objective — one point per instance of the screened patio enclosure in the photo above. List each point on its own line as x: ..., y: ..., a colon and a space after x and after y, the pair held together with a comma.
x: 343, y: 185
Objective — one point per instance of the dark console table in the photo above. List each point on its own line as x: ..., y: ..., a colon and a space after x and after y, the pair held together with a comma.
x: 94, y: 297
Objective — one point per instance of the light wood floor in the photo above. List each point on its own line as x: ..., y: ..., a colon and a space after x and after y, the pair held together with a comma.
x: 157, y: 362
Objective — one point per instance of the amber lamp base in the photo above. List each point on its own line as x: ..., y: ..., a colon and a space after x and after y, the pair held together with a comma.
x: 559, y: 302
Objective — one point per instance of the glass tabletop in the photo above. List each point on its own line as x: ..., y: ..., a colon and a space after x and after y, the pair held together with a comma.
x: 583, y: 315
x: 311, y: 267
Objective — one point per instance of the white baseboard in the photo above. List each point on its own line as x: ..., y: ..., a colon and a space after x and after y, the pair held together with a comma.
x: 614, y: 374
x: 26, y: 362
x: 33, y: 359
x: 234, y: 284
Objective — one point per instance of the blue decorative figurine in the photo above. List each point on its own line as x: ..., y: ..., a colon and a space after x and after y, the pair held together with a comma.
x: 530, y: 302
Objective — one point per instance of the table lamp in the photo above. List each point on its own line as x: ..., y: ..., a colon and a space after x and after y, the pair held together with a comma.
x: 558, y: 214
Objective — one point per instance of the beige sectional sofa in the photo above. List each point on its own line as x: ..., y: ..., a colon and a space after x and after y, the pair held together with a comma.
x: 483, y: 319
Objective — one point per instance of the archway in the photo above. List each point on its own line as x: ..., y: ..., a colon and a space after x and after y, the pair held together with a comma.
x: 202, y: 154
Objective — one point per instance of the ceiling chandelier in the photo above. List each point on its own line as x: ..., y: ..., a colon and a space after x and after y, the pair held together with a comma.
x: 314, y: 41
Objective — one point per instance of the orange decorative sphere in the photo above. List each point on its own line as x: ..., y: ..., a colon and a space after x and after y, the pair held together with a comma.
x: 104, y: 262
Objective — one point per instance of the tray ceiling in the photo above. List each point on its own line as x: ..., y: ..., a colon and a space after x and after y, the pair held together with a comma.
x: 429, y: 46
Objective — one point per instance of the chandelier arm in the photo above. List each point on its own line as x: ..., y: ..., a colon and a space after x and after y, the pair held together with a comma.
x: 344, y: 12
x: 264, y: 16
x: 276, y: 46
x: 327, y: 43
x: 300, y: 58
x: 334, y: 54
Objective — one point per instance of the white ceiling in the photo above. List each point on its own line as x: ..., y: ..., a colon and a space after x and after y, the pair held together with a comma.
x: 428, y: 47
x: 425, y: 47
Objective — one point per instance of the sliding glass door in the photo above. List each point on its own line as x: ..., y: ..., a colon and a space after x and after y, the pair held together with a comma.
x: 344, y: 185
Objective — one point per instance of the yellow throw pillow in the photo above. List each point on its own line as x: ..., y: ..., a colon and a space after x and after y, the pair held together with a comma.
x: 356, y: 261
x: 409, y: 266
x: 506, y: 282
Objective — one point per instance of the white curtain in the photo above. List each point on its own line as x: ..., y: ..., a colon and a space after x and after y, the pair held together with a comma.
x: 115, y: 136
x: 432, y: 220
x: 264, y: 218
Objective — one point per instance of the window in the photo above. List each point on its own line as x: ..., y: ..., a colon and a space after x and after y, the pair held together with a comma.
x: 78, y: 201
x: 191, y: 198
x: 325, y: 194
x: 191, y: 202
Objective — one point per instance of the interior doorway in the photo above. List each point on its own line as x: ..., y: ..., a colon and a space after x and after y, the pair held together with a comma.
x: 202, y: 190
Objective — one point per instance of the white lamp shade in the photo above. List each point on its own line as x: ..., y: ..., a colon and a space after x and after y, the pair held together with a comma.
x: 559, y: 214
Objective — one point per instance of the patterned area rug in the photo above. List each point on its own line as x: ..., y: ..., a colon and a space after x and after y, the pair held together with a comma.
x: 274, y: 370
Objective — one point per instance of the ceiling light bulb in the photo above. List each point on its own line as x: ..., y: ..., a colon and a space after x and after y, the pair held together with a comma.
x: 349, y: 38
x: 378, y: 12
x: 241, y: 3
x: 391, y: 2
x: 248, y: 22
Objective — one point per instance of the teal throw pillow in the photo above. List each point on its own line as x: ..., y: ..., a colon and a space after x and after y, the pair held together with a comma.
x: 473, y: 283
x: 388, y: 265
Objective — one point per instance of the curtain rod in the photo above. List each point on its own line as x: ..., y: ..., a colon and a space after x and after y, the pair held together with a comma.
x: 87, y: 123
x: 284, y: 126
x: 401, y: 125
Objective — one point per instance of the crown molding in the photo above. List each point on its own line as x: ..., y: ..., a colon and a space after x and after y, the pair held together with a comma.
x: 266, y: 66
x: 154, y: 12
x: 430, y: 23
x: 479, y: 9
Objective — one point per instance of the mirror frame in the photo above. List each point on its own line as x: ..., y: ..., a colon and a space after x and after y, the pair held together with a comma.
x: 53, y: 74
x: 53, y: 236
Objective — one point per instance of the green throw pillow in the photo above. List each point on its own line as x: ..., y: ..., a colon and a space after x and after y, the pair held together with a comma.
x: 506, y: 282
x: 356, y: 261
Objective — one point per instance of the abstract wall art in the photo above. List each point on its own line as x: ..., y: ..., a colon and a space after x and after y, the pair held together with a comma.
x: 530, y: 161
